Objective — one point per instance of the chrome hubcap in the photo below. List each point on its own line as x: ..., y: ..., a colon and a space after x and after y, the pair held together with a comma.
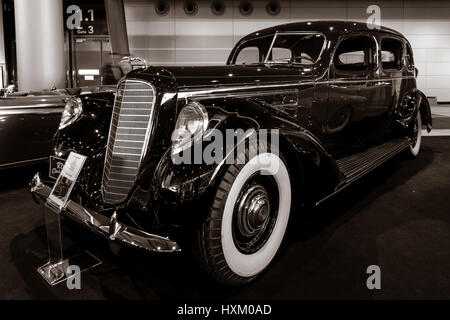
x: 253, y: 210
x: 255, y: 214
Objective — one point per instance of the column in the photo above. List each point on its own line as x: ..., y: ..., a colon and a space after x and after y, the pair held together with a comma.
x: 40, y: 44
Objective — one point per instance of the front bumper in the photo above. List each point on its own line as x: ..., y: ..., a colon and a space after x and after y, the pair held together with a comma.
x: 109, y: 228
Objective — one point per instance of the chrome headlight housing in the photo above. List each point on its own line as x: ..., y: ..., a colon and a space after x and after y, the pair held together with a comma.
x: 191, y: 125
x: 72, y: 111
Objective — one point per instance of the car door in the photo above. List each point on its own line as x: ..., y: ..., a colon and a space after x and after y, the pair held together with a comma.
x: 354, y: 99
x: 396, y: 78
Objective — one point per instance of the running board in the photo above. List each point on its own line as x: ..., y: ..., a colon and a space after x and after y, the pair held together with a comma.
x: 359, y: 164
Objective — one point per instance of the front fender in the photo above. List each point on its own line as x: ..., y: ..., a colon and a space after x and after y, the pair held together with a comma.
x: 183, y: 194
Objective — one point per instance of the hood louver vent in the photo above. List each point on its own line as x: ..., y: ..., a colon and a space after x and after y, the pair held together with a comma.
x: 128, y: 138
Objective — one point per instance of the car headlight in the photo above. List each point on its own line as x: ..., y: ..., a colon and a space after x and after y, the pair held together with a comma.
x: 72, y: 111
x: 191, y: 125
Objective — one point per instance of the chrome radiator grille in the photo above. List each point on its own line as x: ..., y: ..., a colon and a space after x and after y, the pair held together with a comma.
x: 128, y: 138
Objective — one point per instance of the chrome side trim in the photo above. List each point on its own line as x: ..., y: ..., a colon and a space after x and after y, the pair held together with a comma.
x: 33, y: 106
x: 186, y: 94
x: 18, y: 163
x: 21, y: 111
x: 108, y: 228
x: 253, y: 94
x: 195, y: 93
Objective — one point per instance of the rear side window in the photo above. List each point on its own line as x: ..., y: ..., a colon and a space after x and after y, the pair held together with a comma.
x: 391, y: 54
x: 355, y: 54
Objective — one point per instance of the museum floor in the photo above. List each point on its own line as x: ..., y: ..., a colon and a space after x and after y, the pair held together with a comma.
x: 398, y: 217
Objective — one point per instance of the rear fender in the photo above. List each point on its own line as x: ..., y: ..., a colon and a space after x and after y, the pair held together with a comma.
x: 413, y: 102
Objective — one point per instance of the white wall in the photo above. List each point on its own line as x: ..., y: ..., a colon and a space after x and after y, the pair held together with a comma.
x: 178, y: 39
x: 2, y: 49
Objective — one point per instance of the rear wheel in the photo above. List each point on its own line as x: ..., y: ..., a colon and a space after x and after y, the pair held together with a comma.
x: 248, y: 220
x: 416, y: 142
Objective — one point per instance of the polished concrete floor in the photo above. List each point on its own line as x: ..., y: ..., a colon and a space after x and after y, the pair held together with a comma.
x: 397, y: 217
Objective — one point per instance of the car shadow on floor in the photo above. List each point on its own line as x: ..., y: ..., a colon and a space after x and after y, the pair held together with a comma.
x: 17, y: 178
x: 132, y: 274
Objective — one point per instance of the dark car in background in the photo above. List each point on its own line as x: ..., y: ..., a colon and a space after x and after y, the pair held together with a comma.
x: 343, y: 99
x: 28, y: 122
x: 27, y: 125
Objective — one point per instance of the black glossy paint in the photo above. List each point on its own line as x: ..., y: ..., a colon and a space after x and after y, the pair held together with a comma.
x: 322, y: 114
x: 28, y: 122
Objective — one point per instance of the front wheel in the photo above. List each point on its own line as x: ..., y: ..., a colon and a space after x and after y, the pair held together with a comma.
x: 248, y: 220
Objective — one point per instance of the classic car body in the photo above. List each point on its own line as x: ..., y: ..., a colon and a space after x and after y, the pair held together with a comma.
x: 28, y: 122
x: 342, y: 97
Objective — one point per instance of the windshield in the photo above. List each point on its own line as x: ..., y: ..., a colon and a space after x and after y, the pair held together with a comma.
x: 289, y: 48
x: 304, y: 49
x: 253, y: 51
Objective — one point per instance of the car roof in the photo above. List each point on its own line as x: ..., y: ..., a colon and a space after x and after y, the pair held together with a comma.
x: 327, y: 27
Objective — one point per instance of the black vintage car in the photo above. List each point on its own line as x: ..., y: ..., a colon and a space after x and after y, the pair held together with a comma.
x: 28, y: 121
x: 341, y: 98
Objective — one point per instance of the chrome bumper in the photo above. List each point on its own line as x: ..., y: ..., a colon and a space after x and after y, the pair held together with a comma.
x: 108, y: 228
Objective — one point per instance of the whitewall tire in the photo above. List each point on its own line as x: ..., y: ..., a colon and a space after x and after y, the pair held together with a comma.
x: 416, y: 143
x: 248, y: 220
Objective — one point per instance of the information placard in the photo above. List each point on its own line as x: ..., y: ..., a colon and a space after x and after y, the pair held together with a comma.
x: 66, y: 180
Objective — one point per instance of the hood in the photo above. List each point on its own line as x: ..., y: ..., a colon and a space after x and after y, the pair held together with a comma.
x: 213, y: 76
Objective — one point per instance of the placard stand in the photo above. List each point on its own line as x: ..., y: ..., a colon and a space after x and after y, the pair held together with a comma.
x: 56, y: 270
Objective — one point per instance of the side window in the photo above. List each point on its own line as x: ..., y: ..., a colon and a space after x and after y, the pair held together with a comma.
x: 248, y: 55
x: 391, y: 54
x: 299, y: 48
x: 353, y: 57
x: 355, y: 54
